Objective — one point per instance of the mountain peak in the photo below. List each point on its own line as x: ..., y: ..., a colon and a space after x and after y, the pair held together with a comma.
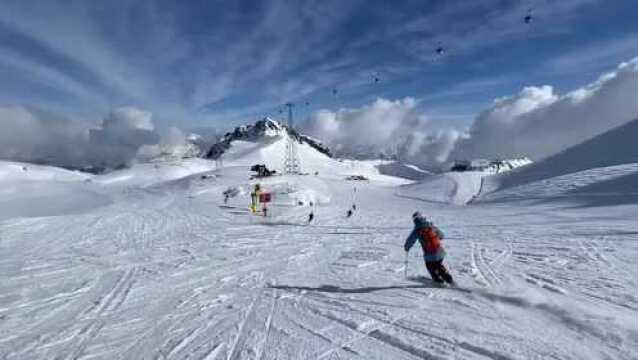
x: 265, y: 128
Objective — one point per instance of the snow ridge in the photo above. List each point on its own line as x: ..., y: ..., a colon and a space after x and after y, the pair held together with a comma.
x: 263, y: 129
x: 615, y: 147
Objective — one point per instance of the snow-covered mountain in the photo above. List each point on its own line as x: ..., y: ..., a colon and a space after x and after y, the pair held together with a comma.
x: 265, y: 142
x: 614, y: 147
x: 459, y: 187
x: 602, y: 166
x: 265, y: 130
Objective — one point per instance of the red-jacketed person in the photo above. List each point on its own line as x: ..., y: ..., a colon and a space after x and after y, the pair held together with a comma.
x: 429, y: 237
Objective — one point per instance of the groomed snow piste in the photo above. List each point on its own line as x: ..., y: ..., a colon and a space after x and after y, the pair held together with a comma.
x: 150, y: 263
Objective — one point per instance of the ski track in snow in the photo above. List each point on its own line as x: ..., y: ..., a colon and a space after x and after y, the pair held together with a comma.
x: 165, y: 274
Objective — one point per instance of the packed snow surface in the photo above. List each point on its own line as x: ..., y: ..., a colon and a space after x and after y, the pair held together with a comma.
x: 406, y: 171
x: 612, y: 148
x: 453, y: 187
x: 150, y: 263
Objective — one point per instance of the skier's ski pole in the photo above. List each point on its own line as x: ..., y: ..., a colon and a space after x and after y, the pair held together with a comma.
x: 405, y: 266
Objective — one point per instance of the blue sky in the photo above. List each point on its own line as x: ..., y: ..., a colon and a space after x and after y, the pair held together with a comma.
x: 219, y: 63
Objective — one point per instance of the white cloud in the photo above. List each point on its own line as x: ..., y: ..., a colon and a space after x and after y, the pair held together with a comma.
x: 34, y: 136
x: 593, y: 57
x: 173, y: 143
x: 367, y: 130
x: 384, y: 127
x: 27, y: 136
x: 122, y: 132
x: 498, y: 24
x: 69, y: 31
x: 538, y: 122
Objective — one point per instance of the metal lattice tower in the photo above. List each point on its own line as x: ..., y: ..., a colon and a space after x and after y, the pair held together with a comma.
x: 292, y: 164
x: 219, y: 163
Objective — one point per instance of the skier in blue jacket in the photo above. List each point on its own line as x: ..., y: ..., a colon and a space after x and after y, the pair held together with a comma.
x: 429, y: 237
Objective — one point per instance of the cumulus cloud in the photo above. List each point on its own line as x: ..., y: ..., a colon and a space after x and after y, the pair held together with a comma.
x: 366, y: 130
x: 173, y: 144
x: 34, y: 136
x: 120, y: 135
x: 433, y: 150
x: 123, y: 136
x: 537, y: 122
x: 386, y: 128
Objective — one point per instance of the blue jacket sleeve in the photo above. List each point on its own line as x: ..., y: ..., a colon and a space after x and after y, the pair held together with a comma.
x: 411, y: 240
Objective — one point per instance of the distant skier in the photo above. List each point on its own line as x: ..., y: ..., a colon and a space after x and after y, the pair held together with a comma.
x: 429, y: 237
x: 349, y: 213
x: 254, y: 198
x: 354, y: 207
x: 311, y: 217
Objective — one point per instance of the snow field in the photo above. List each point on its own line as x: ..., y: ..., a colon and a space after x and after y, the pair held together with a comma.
x: 457, y: 188
x: 167, y: 270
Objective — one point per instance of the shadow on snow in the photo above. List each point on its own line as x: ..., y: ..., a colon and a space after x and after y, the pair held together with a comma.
x: 424, y: 283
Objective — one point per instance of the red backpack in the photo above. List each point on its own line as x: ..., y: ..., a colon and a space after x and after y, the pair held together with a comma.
x: 430, y: 240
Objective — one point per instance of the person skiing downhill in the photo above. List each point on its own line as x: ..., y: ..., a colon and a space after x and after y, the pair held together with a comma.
x: 429, y: 237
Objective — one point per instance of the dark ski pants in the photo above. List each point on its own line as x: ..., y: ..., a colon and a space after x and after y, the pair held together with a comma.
x: 438, y: 272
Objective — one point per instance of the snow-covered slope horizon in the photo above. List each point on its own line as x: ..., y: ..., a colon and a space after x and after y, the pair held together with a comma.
x: 458, y: 188
x: 165, y: 268
x: 614, y: 147
x: 29, y: 190
x: 402, y: 170
x: 600, y: 170
x: 154, y: 261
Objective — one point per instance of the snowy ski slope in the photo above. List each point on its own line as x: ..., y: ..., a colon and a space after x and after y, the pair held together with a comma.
x: 450, y: 188
x: 149, y: 263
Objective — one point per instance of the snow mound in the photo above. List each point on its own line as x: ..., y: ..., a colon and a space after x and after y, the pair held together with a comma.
x: 613, y: 185
x: 402, y: 170
x: 457, y: 188
x: 147, y: 174
x: 18, y: 171
x: 28, y: 190
x: 615, y: 147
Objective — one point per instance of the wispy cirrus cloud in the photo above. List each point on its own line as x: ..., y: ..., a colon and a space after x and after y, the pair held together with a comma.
x: 593, y: 57
x: 205, y: 61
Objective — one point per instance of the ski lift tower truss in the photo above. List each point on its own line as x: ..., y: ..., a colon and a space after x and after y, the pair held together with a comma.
x: 292, y: 164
